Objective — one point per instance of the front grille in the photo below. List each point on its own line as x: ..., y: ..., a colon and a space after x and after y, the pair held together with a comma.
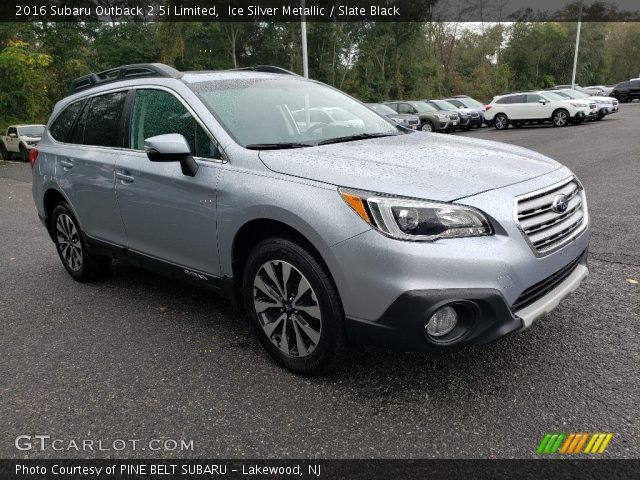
x: 475, y: 114
x: 540, y: 289
x: 453, y: 116
x: 615, y: 102
x: 414, y: 122
x: 592, y: 105
x: 546, y: 227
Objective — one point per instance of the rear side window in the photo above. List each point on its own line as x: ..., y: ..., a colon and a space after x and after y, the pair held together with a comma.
x: 504, y: 100
x: 102, y: 120
x: 634, y: 84
x: 156, y: 112
x: 61, y: 126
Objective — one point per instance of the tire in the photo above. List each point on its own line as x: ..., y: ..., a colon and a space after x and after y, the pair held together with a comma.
x: 501, y: 121
x: 600, y: 116
x: 24, y: 153
x: 427, y: 127
x: 302, y: 330
x: 6, y: 155
x: 72, y: 249
x: 560, y: 118
x: 623, y: 99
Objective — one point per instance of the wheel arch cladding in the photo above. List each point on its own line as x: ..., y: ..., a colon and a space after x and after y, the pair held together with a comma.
x: 257, y: 230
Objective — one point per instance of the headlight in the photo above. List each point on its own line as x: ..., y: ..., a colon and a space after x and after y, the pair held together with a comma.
x: 417, y: 220
x: 579, y: 105
x: 441, y: 116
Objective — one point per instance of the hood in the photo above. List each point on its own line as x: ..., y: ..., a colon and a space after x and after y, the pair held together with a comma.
x: 429, y: 166
x: 598, y: 97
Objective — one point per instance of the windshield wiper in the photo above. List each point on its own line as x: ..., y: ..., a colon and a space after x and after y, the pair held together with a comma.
x: 360, y: 136
x: 277, y: 146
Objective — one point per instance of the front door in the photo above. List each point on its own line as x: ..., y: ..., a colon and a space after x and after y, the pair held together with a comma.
x: 167, y: 215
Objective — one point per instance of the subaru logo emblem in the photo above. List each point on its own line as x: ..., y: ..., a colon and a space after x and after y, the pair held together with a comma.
x: 560, y: 204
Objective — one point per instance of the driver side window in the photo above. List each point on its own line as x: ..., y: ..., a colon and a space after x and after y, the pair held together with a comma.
x: 157, y: 112
x: 405, y: 108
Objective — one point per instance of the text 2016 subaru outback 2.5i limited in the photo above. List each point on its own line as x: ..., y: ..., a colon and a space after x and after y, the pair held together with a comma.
x: 361, y: 232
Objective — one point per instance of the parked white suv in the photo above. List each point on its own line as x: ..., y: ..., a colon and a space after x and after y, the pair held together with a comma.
x: 520, y: 108
x: 605, y: 105
x: 19, y: 139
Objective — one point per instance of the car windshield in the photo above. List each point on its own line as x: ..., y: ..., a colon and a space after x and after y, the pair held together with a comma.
x: 471, y: 103
x: 573, y: 94
x: 444, y: 105
x: 422, y: 107
x: 264, y: 113
x: 552, y: 96
x: 382, y: 109
x: 33, y: 131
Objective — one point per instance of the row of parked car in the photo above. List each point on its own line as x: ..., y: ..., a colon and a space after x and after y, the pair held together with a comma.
x: 560, y: 105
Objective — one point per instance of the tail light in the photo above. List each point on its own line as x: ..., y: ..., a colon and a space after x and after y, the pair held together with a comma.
x: 33, y: 156
x: 487, y: 107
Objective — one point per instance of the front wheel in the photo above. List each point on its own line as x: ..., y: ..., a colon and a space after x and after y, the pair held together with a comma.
x: 292, y: 306
x: 427, y: 127
x: 560, y: 118
x: 24, y: 153
x: 72, y: 249
x: 4, y: 152
x: 501, y: 121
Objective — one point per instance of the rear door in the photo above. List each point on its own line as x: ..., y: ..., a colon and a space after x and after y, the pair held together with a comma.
x: 169, y: 216
x: 517, y: 107
x: 85, y: 164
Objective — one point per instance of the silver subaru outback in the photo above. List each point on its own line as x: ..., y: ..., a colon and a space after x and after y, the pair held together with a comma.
x: 325, y: 232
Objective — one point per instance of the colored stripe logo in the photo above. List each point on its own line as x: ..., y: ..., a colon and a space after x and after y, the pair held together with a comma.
x: 574, y: 443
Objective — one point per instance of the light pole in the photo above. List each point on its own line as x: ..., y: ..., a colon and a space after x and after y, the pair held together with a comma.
x: 575, y: 55
x: 305, y: 55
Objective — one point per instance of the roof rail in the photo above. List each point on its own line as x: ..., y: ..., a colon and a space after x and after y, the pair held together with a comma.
x: 123, y: 73
x: 267, y: 69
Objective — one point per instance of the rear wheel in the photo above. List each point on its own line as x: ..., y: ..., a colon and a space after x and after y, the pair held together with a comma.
x: 560, y: 118
x: 72, y: 249
x: 623, y: 99
x: 293, y: 307
x: 4, y: 152
x: 427, y: 127
x: 501, y: 121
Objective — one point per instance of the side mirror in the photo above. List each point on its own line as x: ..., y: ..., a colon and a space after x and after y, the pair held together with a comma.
x: 543, y: 102
x: 171, y: 147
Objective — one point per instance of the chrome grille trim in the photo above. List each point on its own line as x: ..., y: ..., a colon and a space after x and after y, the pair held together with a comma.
x: 545, y: 229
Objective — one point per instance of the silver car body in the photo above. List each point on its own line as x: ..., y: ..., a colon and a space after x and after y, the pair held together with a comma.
x: 123, y: 200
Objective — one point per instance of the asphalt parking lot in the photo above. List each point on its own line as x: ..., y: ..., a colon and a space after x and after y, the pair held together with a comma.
x: 137, y: 356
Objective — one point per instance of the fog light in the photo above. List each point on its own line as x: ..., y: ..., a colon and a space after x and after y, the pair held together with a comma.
x: 442, y: 322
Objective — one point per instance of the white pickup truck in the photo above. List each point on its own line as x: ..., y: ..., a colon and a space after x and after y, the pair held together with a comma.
x: 19, y: 140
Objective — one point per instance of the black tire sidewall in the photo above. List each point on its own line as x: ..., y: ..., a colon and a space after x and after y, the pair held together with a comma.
x: 4, y: 152
x: 24, y: 153
x: 332, y: 333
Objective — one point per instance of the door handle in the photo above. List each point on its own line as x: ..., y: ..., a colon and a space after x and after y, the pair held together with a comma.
x: 124, y: 176
x: 66, y: 164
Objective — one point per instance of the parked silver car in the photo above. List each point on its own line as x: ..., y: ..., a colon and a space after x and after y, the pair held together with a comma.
x: 323, y: 233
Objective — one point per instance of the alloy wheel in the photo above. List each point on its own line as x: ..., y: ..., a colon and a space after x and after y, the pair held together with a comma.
x: 427, y: 127
x: 68, y: 241
x: 560, y: 119
x: 287, y: 308
x: 500, y: 122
